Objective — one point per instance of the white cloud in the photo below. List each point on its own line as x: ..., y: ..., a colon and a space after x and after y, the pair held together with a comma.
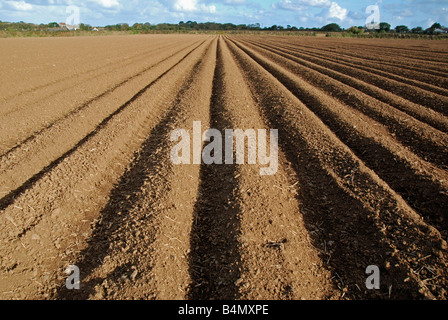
x: 107, y: 3
x: 186, y: 5
x: 20, y: 5
x: 193, y: 6
x: 336, y: 11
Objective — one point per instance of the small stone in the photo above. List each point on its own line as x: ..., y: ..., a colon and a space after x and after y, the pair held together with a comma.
x: 134, y: 275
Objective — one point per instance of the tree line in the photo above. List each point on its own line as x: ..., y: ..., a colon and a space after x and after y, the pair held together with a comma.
x: 384, y: 27
x: 182, y: 26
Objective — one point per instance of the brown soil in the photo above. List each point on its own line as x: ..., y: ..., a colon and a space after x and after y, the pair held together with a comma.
x: 86, y: 177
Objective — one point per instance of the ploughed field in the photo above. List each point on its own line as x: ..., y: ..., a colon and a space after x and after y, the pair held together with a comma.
x: 86, y: 177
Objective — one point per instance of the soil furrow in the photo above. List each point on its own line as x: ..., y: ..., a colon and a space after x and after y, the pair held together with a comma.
x: 68, y: 198
x: 277, y: 258
x: 391, y: 54
x: 421, y: 96
x: 43, y: 115
x: 425, y: 141
x: 89, y: 102
x: 397, y: 53
x: 64, y: 58
x: 50, y: 145
x: 429, y: 116
x: 426, y: 50
x: 376, y: 147
x: 346, y: 203
x: 145, y: 226
x: 380, y: 58
x: 422, y: 80
x: 215, y: 260
x: 45, y: 91
x: 235, y: 167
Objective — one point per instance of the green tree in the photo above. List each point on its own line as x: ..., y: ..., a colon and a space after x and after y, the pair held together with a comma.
x: 192, y: 25
x: 255, y: 26
x: 124, y: 27
x: 417, y: 30
x: 332, y: 27
x: 401, y: 29
x: 137, y: 26
x: 85, y: 27
x: 53, y: 25
x: 385, y: 26
x: 355, y: 30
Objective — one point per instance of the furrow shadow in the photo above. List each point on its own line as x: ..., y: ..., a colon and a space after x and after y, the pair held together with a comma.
x: 126, y: 195
x: 215, y: 257
x: 422, y: 193
x: 331, y: 213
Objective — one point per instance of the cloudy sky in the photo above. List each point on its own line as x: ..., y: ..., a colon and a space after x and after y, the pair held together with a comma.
x: 306, y: 13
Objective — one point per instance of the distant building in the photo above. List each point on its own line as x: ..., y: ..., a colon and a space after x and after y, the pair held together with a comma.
x: 63, y: 25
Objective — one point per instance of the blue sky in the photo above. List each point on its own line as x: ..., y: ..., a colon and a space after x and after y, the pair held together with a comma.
x: 306, y: 13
